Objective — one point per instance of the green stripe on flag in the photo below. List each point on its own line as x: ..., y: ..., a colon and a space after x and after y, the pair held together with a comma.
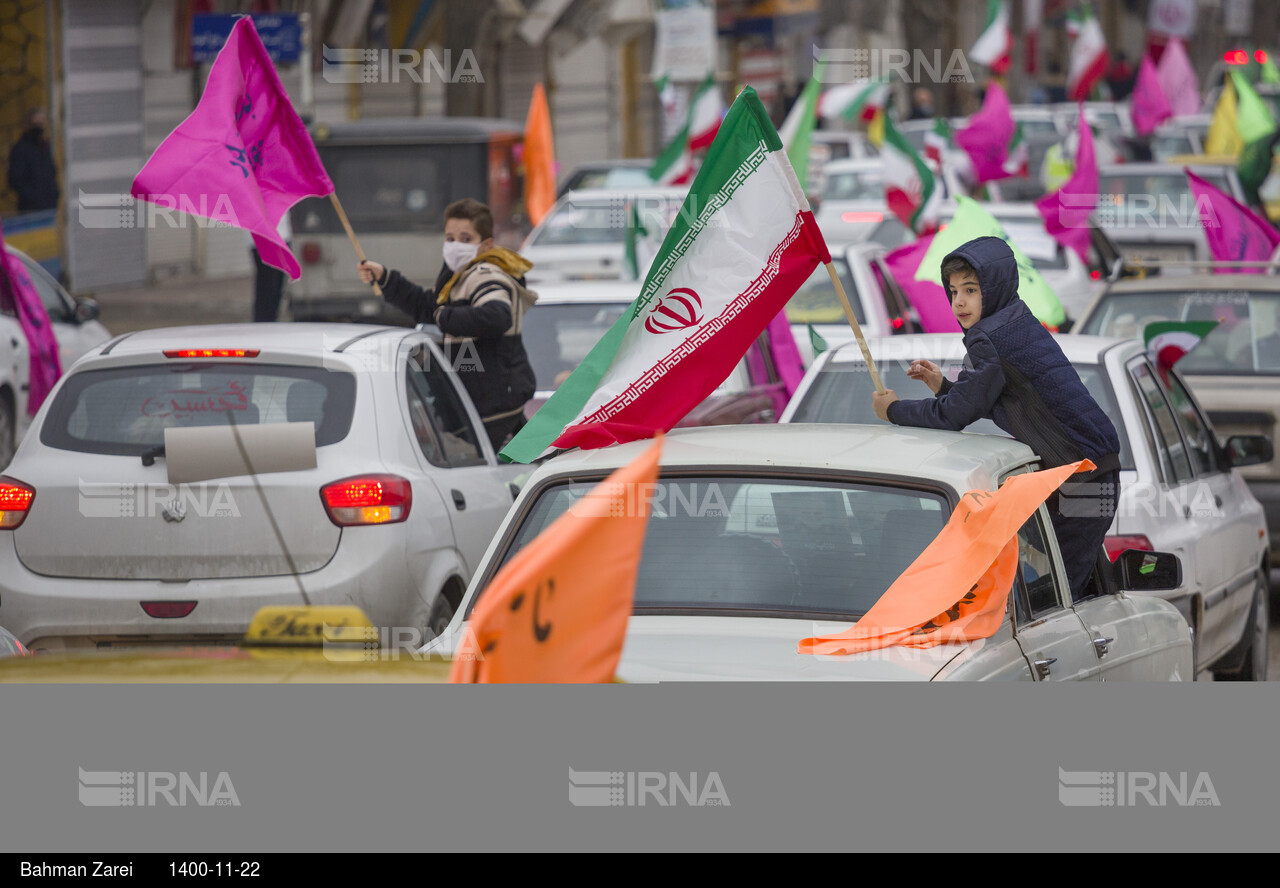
x: 746, y: 135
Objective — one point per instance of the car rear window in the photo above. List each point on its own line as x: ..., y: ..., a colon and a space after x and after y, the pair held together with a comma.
x: 558, y: 337
x: 125, y: 410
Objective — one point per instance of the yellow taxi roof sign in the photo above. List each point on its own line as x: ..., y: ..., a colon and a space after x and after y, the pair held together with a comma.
x: 309, y: 626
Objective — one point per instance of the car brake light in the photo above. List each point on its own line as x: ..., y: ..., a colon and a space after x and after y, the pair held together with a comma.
x: 897, y: 323
x: 1260, y: 56
x: 15, y: 502
x: 1095, y: 275
x: 1235, y: 57
x: 168, y: 610
x: 211, y: 353
x: 311, y: 252
x: 856, y: 217
x: 1117, y: 544
x: 367, y: 499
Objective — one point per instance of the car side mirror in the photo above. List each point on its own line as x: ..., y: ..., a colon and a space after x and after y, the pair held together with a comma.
x: 86, y: 310
x: 1137, y: 570
x: 1249, y: 450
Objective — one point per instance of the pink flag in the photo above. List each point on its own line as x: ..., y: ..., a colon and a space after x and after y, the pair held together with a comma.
x: 243, y: 150
x: 1178, y: 79
x: 786, y: 357
x: 1149, y: 106
x: 928, y: 297
x: 986, y: 138
x: 18, y: 290
x: 1066, y: 211
x: 1235, y: 233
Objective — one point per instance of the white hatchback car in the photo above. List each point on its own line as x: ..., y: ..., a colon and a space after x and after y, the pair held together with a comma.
x: 100, y: 543
x: 1179, y: 491
x: 761, y: 536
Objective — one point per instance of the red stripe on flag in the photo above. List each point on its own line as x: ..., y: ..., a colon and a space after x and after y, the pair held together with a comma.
x: 669, y: 390
x: 1091, y: 75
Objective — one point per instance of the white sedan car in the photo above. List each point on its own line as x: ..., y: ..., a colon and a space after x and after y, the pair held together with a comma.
x: 1179, y: 491
x: 128, y: 516
x: 763, y: 536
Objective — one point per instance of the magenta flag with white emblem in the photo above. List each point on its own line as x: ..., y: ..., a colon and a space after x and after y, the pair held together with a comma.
x: 1235, y: 233
x: 1066, y: 211
x: 1149, y: 105
x: 243, y: 156
x: 989, y: 136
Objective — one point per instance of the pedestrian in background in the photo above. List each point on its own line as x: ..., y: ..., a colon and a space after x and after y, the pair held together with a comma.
x: 31, y: 171
x: 268, y: 281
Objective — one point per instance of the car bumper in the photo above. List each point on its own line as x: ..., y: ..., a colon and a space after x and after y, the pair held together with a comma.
x: 368, y: 570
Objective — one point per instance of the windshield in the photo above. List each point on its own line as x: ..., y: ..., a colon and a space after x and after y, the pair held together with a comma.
x: 605, y: 221
x: 861, y: 185
x: 816, y: 302
x: 766, y: 546
x: 558, y: 337
x: 1246, y: 340
x: 124, y: 411
x: 841, y: 392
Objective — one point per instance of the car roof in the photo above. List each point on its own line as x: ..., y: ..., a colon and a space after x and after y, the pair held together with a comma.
x: 853, y: 165
x: 960, y: 460
x: 300, y: 338
x: 1147, y: 168
x: 605, y: 195
x: 411, y: 129
x: 1078, y: 348
x: 1196, y: 281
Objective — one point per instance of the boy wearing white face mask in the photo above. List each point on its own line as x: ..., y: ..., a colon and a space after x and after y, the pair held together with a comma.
x: 478, y: 302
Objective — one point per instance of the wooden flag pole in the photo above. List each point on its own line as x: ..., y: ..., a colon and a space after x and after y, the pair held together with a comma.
x: 857, y: 330
x: 337, y: 206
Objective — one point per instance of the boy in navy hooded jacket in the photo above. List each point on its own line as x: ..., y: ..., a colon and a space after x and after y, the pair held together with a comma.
x: 1017, y: 376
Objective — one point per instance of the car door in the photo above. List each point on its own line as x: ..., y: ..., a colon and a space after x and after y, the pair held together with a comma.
x: 456, y: 453
x: 1049, y: 632
x: 1228, y: 525
x: 1117, y: 629
x: 1163, y: 513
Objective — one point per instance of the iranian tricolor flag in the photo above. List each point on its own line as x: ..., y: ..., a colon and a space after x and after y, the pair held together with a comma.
x: 996, y: 40
x: 910, y: 189
x: 705, y: 111
x: 1018, y: 162
x: 861, y: 99
x: 742, y: 244
x: 674, y: 163
x: 1169, y: 341
x: 1088, y: 56
x: 940, y: 149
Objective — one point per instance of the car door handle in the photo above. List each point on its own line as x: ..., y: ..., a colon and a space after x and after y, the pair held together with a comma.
x: 1042, y: 666
x: 459, y: 501
x: 1101, y: 644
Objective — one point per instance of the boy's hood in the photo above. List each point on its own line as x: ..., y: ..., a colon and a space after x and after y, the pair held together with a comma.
x: 997, y: 271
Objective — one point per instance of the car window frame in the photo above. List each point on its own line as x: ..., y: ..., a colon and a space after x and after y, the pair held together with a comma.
x: 1219, y: 464
x: 1168, y: 470
x: 423, y: 345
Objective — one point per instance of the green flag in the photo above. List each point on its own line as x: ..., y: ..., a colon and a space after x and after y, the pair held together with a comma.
x: 971, y: 221
x: 638, y: 252
x: 815, y: 339
x: 1269, y: 72
x: 796, y: 131
x: 1257, y: 128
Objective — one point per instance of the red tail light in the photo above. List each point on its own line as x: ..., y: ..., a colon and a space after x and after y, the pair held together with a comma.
x: 367, y: 499
x: 1117, y: 544
x: 168, y: 610
x: 1260, y: 56
x: 855, y: 217
x: 15, y: 501
x: 211, y: 353
x: 1235, y: 57
x: 897, y: 323
x: 311, y: 252
x: 1095, y: 275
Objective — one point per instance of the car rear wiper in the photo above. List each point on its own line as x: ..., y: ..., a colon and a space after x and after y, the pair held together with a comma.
x: 149, y: 455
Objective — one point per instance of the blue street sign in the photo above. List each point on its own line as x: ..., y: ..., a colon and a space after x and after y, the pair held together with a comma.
x: 281, y: 34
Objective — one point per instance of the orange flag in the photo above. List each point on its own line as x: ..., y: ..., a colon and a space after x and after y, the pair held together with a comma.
x: 539, y: 158
x: 558, y: 611
x: 977, y: 551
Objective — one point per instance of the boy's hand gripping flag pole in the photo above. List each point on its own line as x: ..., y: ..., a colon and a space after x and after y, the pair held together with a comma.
x: 337, y: 206
x: 857, y: 330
